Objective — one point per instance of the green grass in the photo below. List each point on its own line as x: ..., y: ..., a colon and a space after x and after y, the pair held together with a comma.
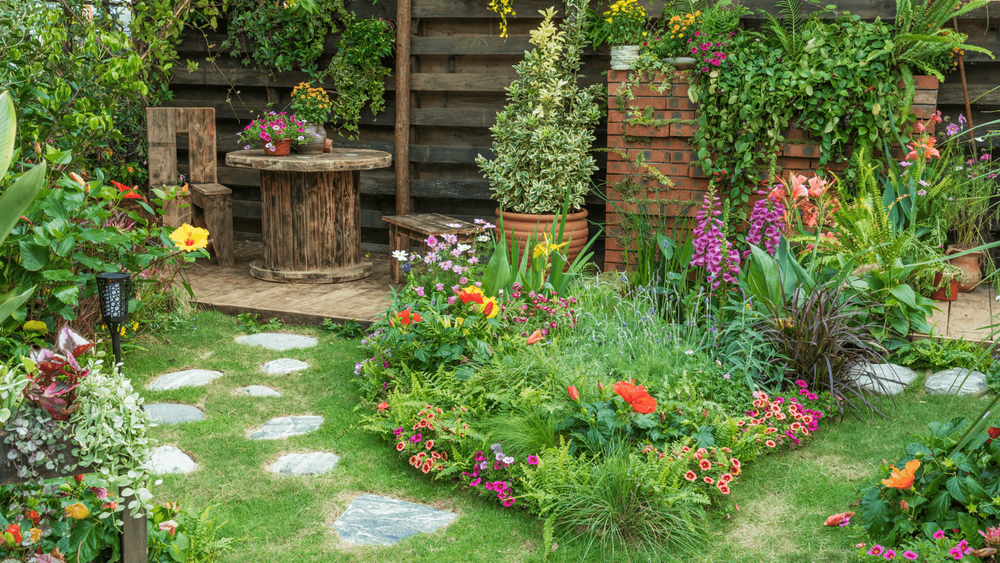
x: 783, y: 499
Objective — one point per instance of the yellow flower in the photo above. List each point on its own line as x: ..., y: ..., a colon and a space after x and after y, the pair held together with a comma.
x: 36, y: 535
x: 490, y: 307
x: 188, y: 238
x: 77, y: 511
x: 546, y: 248
x: 36, y: 326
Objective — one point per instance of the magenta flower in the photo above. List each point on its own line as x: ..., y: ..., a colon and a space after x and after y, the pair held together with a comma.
x: 508, y: 502
x: 420, y: 291
x: 532, y: 460
x: 956, y: 553
x: 889, y: 554
x: 416, y: 438
x: 938, y: 534
x: 876, y: 550
x: 475, y: 482
x: 910, y: 555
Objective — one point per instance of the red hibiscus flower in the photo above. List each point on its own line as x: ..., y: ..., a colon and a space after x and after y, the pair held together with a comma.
x: 636, y: 396
x: 127, y: 192
x: 15, y: 531
x: 407, y: 317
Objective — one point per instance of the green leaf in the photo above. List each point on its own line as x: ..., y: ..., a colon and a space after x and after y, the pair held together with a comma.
x: 33, y: 256
x: 8, y: 131
x: 937, y: 508
x: 905, y: 294
x: 10, y: 302
x: 954, y: 486
x: 67, y: 294
x: 84, y: 541
x: 18, y: 197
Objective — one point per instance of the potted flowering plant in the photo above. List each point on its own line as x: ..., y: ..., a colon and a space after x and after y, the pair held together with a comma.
x: 623, y: 27
x: 312, y: 106
x: 275, y: 131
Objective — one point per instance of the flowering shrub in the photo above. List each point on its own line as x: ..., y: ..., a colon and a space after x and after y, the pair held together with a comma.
x: 535, y: 313
x: 937, y: 489
x: 711, y: 471
x: 774, y: 422
x: 624, y: 23
x: 431, y: 430
x: 62, y: 515
x: 271, y: 128
x: 311, y: 105
x: 447, y: 264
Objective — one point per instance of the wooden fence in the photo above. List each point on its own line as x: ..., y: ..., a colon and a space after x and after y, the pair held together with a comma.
x: 459, y: 68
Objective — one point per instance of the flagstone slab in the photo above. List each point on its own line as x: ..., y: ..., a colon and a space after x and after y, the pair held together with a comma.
x: 376, y: 520
x: 283, y: 366
x: 278, y: 341
x: 169, y: 459
x: 186, y: 378
x: 260, y: 391
x: 954, y: 382
x: 312, y: 463
x: 287, y: 426
x: 170, y: 413
x: 889, y: 379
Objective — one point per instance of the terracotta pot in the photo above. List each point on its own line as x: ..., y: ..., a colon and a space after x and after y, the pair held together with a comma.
x: 521, y: 226
x: 281, y: 148
x: 315, y: 140
x: 971, y: 266
x: 944, y: 292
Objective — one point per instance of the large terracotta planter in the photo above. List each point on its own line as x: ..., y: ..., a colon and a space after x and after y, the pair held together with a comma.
x: 520, y: 227
x: 971, y: 266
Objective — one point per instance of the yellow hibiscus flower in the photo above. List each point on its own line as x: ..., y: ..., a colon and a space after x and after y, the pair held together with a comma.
x: 188, y: 238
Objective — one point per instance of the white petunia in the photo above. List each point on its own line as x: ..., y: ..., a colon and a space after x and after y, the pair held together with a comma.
x: 400, y: 255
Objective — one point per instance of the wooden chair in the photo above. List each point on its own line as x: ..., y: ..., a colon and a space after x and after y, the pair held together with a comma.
x: 404, y: 230
x: 211, y: 202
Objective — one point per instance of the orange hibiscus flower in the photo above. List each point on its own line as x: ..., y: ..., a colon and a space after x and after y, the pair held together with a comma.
x: 902, y: 479
x: 407, y: 317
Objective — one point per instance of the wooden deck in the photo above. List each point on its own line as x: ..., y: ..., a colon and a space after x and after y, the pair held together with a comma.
x: 969, y: 316
x: 233, y: 291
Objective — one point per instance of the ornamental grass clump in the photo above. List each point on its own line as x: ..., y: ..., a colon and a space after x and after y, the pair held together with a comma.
x: 542, y: 138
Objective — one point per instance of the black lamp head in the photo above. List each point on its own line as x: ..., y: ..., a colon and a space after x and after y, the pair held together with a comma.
x: 114, y: 290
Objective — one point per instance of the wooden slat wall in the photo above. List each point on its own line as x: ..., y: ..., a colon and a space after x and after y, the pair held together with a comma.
x: 459, y: 69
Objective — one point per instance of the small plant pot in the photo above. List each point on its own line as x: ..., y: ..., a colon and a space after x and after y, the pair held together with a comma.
x: 315, y: 140
x: 279, y: 148
x: 624, y: 56
x: 944, y: 291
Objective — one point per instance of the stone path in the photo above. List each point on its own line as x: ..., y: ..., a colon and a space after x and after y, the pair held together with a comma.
x: 378, y: 520
x: 954, y: 381
x: 287, y: 426
x: 170, y: 413
x: 186, y: 378
x: 168, y: 459
x: 278, y: 341
x: 260, y: 391
x: 283, y: 366
x: 312, y: 463
x: 889, y: 379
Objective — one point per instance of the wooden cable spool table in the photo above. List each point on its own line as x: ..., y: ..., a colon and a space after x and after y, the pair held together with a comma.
x: 311, y: 214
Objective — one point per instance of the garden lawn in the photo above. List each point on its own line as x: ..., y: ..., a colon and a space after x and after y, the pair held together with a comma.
x: 783, y: 499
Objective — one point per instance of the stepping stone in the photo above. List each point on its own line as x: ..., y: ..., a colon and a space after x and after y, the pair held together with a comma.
x: 312, y: 463
x: 278, y: 340
x: 170, y: 413
x: 186, y: 378
x: 287, y: 426
x: 950, y: 381
x: 168, y: 459
x: 378, y: 520
x: 283, y: 366
x: 890, y: 379
x: 260, y: 391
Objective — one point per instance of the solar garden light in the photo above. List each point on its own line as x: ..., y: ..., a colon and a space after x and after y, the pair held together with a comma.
x: 114, y: 289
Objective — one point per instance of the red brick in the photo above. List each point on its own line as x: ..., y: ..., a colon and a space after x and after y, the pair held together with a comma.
x: 615, y: 129
x: 674, y: 102
x: 794, y: 163
x: 612, y: 103
x: 922, y: 83
x: 657, y: 102
x: 617, y: 75
x: 923, y: 112
x: 679, y: 91
x: 618, y: 168
x: 801, y: 151
x: 615, y: 116
x: 925, y: 97
x: 615, y: 87
x: 683, y: 155
x: 681, y: 77
x: 797, y: 134
x: 673, y: 169
x: 646, y: 130
x: 612, y: 257
x: 680, y: 130
x: 671, y: 144
x: 656, y: 156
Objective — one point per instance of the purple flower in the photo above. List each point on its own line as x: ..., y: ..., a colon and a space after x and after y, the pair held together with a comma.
x: 711, y: 249
x: 921, y: 192
x: 951, y: 130
x: 439, y: 287
x: 905, y: 163
x: 420, y: 291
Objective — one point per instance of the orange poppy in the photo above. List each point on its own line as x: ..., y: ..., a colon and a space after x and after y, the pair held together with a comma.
x: 636, y: 396
x: 902, y: 479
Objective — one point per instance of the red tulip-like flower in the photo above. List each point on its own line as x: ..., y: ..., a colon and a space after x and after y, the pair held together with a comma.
x: 407, y: 317
x: 573, y: 393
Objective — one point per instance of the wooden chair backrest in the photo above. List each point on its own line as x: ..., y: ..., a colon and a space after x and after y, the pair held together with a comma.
x: 162, y: 127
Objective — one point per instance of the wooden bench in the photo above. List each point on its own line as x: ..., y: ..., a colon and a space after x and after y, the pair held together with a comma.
x: 211, y: 202
x: 404, y: 230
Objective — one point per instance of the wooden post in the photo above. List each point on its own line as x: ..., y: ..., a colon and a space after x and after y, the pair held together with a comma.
x: 162, y: 131
x: 403, y: 107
